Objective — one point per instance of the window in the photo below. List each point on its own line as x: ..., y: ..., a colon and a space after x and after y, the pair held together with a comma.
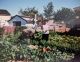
x: 17, y: 23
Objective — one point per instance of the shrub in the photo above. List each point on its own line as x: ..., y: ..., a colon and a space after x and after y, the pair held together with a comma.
x: 65, y: 42
x: 8, y: 47
x: 1, y: 31
x: 19, y: 28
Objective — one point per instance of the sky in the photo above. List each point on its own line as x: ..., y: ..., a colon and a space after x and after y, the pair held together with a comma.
x: 13, y: 6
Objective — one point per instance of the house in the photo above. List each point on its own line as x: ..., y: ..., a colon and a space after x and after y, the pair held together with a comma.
x: 4, y: 14
x: 4, y: 17
x: 20, y: 21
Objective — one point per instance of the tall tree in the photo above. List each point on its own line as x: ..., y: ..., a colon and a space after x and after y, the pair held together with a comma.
x: 48, y: 11
x: 28, y: 12
x: 65, y: 14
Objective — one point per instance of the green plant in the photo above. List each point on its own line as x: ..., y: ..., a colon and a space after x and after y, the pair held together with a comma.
x: 8, y: 47
x: 65, y: 42
x: 1, y: 31
x: 12, y: 48
x: 19, y: 28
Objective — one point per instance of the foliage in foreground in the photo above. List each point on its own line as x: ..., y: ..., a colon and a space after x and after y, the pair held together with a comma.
x: 37, y: 50
x: 65, y: 43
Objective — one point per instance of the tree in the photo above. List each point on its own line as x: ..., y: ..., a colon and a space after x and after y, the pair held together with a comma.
x: 65, y: 14
x: 48, y: 11
x: 28, y: 12
x: 77, y: 11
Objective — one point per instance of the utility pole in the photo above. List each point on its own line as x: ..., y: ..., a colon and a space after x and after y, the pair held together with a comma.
x: 35, y: 21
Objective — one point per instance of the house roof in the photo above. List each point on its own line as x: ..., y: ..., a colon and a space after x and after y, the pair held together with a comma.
x: 28, y: 21
x: 4, y: 12
x: 18, y: 16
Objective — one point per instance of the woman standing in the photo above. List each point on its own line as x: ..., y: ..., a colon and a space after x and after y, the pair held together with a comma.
x: 45, y: 29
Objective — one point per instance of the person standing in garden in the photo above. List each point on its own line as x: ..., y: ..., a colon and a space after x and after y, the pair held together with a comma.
x: 45, y: 30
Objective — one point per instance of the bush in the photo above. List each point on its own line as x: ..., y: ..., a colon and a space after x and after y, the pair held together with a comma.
x: 65, y: 42
x: 1, y: 31
x: 8, y: 47
x: 19, y: 28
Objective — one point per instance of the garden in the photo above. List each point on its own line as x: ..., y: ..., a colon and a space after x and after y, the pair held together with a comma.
x: 19, y: 46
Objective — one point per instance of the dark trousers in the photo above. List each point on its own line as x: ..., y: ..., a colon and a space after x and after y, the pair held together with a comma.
x: 45, y: 37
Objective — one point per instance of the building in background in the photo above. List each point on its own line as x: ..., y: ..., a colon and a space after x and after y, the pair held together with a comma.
x: 20, y: 21
x: 4, y: 17
x: 7, y: 20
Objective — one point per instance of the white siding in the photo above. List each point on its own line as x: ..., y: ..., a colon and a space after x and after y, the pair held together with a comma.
x: 5, y: 18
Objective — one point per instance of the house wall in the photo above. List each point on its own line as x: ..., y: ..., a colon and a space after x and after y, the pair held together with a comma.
x: 27, y: 18
x: 5, y: 18
x: 4, y: 23
x: 23, y: 22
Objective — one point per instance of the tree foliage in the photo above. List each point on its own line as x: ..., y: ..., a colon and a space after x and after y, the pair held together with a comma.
x: 65, y: 14
x: 65, y: 42
x: 28, y: 12
x: 77, y: 12
x: 48, y: 10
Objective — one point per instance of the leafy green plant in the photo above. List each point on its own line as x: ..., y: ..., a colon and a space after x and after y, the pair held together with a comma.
x: 19, y: 28
x: 1, y: 31
x: 12, y: 48
x: 65, y: 42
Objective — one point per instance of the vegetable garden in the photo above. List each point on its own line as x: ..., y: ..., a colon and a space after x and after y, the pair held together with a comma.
x: 59, y: 48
